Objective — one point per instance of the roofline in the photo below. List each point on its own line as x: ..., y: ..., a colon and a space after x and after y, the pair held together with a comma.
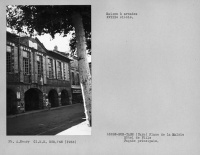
x: 38, y: 41
x: 41, y: 44
x: 60, y: 54
x: 13, y: 34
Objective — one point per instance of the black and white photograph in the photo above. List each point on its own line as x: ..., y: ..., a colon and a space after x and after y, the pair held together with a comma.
x: 107, y: 77
x: 48, y: 69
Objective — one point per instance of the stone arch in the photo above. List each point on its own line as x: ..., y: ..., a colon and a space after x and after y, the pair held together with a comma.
x: 53, y: 98
x: 65, y: 97
x: 11, y: 102
x: 33, y: 99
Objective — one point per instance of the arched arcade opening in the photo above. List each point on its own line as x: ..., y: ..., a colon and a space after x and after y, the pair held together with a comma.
x: 33, y: 99
x: 53, y: 98
x: 11, y: 102
x: 64, y: 97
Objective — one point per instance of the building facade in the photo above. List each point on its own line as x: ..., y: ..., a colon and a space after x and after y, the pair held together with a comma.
x: 35, y: 75
x: 75, y: 82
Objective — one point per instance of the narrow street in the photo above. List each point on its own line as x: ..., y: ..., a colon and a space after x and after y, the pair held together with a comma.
x: 46, y: 122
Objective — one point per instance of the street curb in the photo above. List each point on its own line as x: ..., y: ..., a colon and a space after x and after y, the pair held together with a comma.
x: 42, y: 110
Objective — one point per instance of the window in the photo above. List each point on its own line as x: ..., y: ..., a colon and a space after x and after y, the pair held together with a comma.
x: 8, y: 49
x: 78, y: 80
x: 50, y: 66
x: 59, y: 70
x: 73, y: 80
x: 8, y: 62
x: 39, y: 64
x: 9, y: 58
x: 26, y: 64
x: 66, y: 71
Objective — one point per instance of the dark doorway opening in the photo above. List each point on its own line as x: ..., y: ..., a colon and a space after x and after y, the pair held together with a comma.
x: 77, y: 98
x: 53, y: 98
x: 33, y: 99
x: 64, y: 97
x: 11, y: 102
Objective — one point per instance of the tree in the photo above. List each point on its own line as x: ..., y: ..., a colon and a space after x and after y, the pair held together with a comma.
x: 73, y: 42
x: 54, y: 19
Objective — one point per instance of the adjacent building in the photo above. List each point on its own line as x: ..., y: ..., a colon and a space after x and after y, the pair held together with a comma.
x: 36, y: 76
x: 75, y: 82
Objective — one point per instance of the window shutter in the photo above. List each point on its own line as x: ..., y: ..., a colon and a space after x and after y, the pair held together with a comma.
x: 67, y: 71
x: 44, y: 70
x: 56, y: 69
x: 15, y: 59
x: 62, y: 70
x: 12, y: 59
x: 75, y: 78
x: 32, y: 69
x: 36, y: 67
x: 47, y: 61
x: 21, y: 64
x: 54, y: 66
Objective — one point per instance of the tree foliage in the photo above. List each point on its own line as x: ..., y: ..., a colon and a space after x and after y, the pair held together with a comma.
x: 49, y: 19
x: 73, y: 42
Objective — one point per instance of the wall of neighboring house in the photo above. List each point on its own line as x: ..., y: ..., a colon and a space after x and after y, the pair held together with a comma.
x: 75, y: 81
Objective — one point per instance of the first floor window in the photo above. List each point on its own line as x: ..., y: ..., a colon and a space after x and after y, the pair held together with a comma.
x: 73, y: 79
x: 26, y: 67
x: 8, y: 62
x: 39, y: 63
x: 66, y: 71
x: 78, y: 80
x: 50, y: 67
x: 8, y: 59
x: 59, y: 70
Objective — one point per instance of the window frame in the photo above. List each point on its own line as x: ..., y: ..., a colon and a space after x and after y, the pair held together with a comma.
x: 39, y: 65
x: 11, y: 63
x: 50, y: 68
x: 78, y: 79
x: 26, y: 63
x: 59, y: 72
x: 73, y: 78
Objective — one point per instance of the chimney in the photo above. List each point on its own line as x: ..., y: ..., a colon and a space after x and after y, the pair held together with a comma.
x: 55, y: 48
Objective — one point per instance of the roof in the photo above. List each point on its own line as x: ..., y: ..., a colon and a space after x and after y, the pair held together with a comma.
x: 60, y: 53
x: 41, y: 44
x: 15, y: 39
x: 12, y: 37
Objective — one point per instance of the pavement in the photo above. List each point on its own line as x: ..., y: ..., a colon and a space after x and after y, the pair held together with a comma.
x: 80, y: 129
x: 37, y: 111
x: 67, y: 120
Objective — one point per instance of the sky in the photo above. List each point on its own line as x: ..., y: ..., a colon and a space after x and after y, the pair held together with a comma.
x: 49, y: 42
x: 61, y: 42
